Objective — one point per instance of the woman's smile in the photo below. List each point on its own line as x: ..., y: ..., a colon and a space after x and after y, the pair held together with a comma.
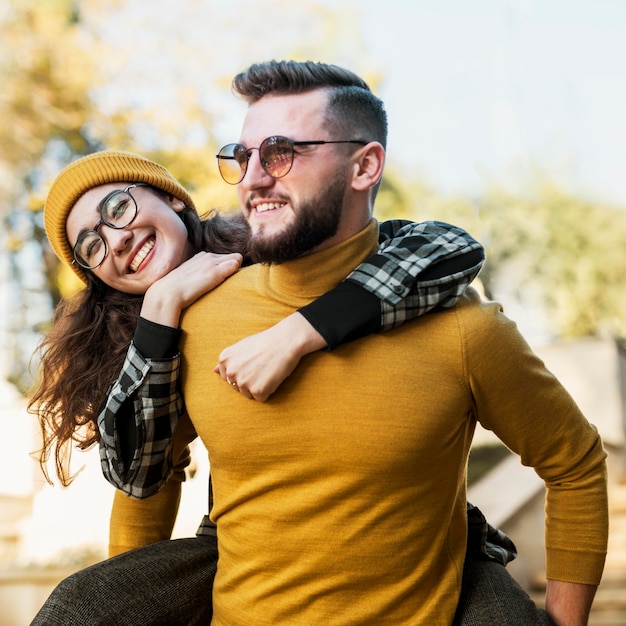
x: 141, y: 255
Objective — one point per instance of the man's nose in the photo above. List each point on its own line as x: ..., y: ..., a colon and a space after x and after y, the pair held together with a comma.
x: 256, y: 176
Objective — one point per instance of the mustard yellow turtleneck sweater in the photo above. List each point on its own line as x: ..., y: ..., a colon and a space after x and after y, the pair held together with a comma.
x: 341, y: 500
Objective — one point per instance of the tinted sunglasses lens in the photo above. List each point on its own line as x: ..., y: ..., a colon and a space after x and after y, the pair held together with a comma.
x: 276, y: 154
x: 90, y: 250
x: 232, y: 162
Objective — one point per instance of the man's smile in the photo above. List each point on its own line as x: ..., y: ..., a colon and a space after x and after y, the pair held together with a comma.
x: 269, y: 206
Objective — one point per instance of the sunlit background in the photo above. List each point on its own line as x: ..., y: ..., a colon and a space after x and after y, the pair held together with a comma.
x: 507, y: 117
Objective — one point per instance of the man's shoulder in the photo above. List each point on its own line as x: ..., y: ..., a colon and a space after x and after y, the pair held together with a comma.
x: 482, y: 320
x: 472, y: 302
x: 471, y: 315
x: 227, y: 294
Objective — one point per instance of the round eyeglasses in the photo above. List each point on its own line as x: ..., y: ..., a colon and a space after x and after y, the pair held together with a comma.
x: 276, y: 154
x: 117, y: 210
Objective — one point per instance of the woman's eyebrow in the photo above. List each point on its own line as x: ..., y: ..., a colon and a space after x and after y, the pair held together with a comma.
x: 99, y: 207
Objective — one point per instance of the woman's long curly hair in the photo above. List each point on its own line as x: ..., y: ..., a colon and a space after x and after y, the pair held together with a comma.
x: 84, y: 351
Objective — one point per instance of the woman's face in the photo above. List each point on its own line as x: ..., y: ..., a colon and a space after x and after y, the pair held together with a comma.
x: 151, y: 246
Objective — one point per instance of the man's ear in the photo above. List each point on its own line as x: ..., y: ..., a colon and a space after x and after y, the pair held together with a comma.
x: 369, y: 166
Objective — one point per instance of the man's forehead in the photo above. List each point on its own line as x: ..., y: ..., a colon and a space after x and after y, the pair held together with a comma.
x: 288, y: 115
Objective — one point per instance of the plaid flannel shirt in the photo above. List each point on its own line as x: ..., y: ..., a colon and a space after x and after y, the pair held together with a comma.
x: 148, y: 390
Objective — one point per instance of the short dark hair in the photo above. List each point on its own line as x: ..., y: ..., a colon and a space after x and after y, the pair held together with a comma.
x: 352, y: 110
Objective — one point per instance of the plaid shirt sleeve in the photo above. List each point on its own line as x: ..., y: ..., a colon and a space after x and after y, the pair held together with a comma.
x: 419, y: 266
x: 484, y: 541
x: 147, y: 392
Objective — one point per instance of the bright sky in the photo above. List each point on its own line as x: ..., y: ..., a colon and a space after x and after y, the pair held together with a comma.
x: 476, y: 90
x: 495, y: 88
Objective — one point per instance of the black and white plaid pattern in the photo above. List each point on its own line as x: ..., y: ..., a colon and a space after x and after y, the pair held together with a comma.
x: 147, y: 392
x: 408, y: 250
x: 485, y: 541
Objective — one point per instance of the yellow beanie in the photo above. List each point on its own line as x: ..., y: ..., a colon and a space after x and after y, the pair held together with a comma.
x: 90, y: 171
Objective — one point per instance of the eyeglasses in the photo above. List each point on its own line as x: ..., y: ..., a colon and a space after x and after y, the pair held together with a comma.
x: 276, y: 154
x: 117, y: 210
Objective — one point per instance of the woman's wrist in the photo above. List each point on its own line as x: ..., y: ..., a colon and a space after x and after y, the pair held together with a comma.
x: 305, y: 337
x: 161, y: 308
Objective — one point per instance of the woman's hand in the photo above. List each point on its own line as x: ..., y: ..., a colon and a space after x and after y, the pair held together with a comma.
x: 257, y: 365
x: 170, y: 295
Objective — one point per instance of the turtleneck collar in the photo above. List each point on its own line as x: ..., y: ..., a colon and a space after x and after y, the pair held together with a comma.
x: 309, y: 277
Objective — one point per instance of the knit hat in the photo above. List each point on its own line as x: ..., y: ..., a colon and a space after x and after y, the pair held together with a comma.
x: 90, y: 171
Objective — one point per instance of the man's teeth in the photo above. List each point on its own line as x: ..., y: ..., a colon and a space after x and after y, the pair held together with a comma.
x: 268, y: 206
x: 141, y: 255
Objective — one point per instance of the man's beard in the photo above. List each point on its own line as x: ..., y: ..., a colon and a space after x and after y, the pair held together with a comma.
x: 316, y: 220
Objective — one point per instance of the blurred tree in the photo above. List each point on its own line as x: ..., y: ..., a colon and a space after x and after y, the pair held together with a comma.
x: 546, y: 249
x: 45, y: 76
x: 568, y: 253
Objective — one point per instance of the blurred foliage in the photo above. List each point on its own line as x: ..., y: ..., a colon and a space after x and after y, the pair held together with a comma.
x: 83, y: 76
x: 44, y: 101
x: 545, y: 246
x: 46, y: 78
x: 570, y: 251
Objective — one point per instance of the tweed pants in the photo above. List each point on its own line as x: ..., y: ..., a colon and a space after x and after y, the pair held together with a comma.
x: 169, y: 584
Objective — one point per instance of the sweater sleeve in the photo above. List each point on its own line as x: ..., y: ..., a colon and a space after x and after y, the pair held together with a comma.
x: 136, y: 523
x: 531, y: 412
x: 418, y: 267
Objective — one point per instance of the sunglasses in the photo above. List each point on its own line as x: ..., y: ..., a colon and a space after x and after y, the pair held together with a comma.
x: 276, y: 154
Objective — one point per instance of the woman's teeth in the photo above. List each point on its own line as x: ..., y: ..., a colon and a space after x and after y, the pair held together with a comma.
x: 141, y: 255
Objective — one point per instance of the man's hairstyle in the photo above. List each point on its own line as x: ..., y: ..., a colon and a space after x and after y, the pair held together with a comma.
x: 353, y: 110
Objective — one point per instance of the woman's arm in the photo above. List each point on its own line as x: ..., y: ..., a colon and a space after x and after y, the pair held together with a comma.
x: 136, y: 523
x: 144, y: 404
x: 140, y: 413
x: 419, y: 267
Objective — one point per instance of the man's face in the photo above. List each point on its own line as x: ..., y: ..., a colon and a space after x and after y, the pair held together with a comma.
x: 151, y: 246
x: 302, y: 211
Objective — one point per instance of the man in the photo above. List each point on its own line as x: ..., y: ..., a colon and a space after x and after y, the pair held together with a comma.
x: 327, y: 496
x: 342, y: 499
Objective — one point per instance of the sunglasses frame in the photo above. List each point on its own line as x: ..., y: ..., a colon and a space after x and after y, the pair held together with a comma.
x: 273, y: 139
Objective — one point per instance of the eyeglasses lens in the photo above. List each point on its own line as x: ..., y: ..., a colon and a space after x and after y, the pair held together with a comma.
x: 232, y: 161
x: 90, y: 250
x: 119, y: 209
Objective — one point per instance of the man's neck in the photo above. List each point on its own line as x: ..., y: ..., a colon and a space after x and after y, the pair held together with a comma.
x: 318, y: 272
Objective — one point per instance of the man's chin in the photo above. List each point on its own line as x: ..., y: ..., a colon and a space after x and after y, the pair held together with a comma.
x: 267, y: 226
x: 264, y: 234
x: 270, y: 249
